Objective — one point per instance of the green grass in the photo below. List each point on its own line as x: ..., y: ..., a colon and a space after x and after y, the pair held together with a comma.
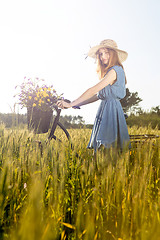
x: 65, y: 194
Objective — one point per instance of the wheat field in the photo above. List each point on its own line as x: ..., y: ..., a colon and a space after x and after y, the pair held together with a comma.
x: 54, y: 191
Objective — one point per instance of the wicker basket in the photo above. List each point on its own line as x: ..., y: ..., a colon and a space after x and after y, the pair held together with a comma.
x: 39, y: 120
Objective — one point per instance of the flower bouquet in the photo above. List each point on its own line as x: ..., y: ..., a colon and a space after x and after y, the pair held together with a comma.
x: 39, y: 100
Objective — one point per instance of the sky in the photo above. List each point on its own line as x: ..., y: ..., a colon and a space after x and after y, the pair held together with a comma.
x: 49, y: 39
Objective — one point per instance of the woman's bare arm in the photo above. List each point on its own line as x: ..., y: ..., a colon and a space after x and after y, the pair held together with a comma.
x: 108, y: 79
x: 90, y: 100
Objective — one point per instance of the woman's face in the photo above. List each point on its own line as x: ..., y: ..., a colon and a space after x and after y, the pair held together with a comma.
x: 104, y: 55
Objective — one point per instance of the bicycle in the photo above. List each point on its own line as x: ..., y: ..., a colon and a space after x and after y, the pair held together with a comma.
x: 134, y: 139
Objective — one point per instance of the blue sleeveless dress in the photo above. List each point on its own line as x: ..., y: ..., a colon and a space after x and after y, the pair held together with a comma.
x: 110, y: 128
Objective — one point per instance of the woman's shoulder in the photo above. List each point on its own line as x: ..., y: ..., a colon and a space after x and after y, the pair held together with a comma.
x: 117, y: 68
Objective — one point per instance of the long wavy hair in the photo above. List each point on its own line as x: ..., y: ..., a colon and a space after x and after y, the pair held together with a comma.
x: 113, y: 60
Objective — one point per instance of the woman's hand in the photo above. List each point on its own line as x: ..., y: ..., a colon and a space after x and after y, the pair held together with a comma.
x: 62, y: 104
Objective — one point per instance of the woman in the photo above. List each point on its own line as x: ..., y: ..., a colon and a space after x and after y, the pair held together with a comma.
x: 110, y: 127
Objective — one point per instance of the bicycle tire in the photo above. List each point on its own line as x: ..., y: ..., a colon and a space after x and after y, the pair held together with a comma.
x: 64, y: 129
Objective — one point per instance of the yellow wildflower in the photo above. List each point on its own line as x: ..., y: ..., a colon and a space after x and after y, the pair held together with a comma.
x: 34, y: 105
x: 48, y: 100
x: 29, y: 97
x: 45, y: 94
x: 36, y: 98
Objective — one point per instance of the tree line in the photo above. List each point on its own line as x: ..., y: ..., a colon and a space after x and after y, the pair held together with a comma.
x: 130, y: 106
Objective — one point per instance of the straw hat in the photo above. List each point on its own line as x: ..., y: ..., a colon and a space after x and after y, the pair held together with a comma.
x: 108, y: 43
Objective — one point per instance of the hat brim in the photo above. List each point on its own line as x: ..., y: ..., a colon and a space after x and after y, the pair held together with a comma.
x: 122, y: 55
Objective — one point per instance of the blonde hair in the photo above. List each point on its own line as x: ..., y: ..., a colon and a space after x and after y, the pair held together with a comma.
x: 113, y: 60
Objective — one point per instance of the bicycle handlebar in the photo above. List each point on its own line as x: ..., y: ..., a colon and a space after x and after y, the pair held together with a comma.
x: 66, y: 100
